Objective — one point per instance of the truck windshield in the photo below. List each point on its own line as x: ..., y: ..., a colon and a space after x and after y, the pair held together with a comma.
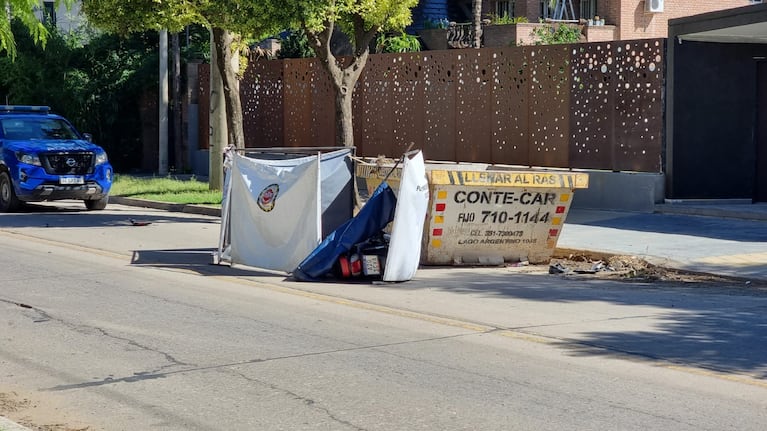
x: 36, y: 128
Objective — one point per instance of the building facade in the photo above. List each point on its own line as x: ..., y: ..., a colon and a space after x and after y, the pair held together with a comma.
x: 57, y: 14
x: 629, y: 19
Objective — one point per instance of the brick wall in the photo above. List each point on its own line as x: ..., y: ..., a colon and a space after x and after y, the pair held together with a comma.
x: 630, y: 16
x: 634, y: 23
x: 529, y: 8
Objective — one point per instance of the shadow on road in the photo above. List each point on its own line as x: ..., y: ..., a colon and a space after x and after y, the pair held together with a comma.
x: 708, y: 227
x: 72, y: 215
x: 196, y: 260
x: 718, y: 326
x: 709, y: 325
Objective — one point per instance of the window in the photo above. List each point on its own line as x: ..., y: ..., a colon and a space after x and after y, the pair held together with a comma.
x: 588, y: 9
x: 49, y: 13
x: 505, y: 8
x: 545, y: 8
x: 560, y: 9
x: 37, y: 128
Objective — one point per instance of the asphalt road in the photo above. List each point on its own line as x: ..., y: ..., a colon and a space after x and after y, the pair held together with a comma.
x: 125, y: 327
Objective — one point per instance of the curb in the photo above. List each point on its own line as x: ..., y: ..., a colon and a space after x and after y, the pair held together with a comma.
x: 559, y: 252
x: 165, y: 206
x: 9, y: 425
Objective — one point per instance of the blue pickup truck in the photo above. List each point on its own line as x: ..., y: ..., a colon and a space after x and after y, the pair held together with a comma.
x: 44, y: 158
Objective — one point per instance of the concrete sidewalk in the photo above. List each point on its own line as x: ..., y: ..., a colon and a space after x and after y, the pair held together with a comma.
x: 721, y: 239
x: 728, y: 240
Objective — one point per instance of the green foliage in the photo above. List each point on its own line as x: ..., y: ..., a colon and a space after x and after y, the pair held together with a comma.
x: 166, y: 189
x: 23, y: 11
x: 552, y: 35
x: 360, y: 21
x: 506, y: 19
x: 402, y: 42
x: 130, y: 16
x: 98, y: 86
x: 243, y: 17
x: 316, y: 15
x: 40, y: 76
x: 295, y: 45
x: 195, y: 45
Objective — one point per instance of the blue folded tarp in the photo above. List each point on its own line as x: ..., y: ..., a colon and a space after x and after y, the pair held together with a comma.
x: 377, y: 212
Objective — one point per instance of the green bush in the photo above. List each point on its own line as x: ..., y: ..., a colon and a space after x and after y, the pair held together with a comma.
x: 98, y: 81
x: 506, y: 19
x: 295, y: 45
x: 552, y: 35
x: 398, y: 43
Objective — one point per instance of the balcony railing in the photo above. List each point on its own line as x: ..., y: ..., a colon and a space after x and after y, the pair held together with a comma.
x: 460, y: 35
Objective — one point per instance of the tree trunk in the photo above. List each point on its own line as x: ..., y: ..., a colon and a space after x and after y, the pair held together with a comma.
x: 217, y: 123
x: 344, y: 79
x: 345, y: 119
x: 227, y: 57
x: 477, y: 9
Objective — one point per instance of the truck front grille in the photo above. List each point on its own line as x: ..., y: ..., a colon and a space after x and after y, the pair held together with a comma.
x: 67, y: 163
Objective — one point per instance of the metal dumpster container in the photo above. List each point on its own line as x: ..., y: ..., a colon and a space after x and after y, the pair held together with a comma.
x: 489, y: 215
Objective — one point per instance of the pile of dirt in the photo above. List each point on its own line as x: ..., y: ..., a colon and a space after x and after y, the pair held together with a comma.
x: 11, y: 402
x: 627, y: 268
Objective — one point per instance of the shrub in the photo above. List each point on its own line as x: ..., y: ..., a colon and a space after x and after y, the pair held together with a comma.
x: 400, y: 43
x: 552, y: 35
x: 506, y: 19
x: 295, y: 44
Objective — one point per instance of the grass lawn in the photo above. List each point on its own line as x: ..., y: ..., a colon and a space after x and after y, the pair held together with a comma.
x: 165, y: 189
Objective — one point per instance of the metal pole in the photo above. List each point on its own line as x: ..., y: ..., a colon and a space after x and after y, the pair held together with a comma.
x: 162, y: 151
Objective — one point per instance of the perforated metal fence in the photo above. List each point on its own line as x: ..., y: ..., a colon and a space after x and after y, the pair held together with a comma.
x: 595, y: 105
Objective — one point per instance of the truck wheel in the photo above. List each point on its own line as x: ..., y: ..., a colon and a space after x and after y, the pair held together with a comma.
x: 97, y: 204
x: 8, y: 200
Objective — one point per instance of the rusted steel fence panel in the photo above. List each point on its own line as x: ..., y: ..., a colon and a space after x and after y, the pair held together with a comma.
x: 406, y: 102
x: 596, y: 105
x: 510, y: 107
x: 437, y: 69
x: 473, y: 109
x: 639, y: 105
x: 297, y: 96
x: 261, y: 90
x: 549, y: 105
x: 592, y: 119
x: 373, y: 119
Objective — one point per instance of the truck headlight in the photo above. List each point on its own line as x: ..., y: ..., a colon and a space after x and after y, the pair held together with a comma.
x: 101, y: 158
x: 29, y: 159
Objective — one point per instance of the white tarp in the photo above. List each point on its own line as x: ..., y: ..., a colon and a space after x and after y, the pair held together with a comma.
x: 409, y: 216
x: 336, y: 197
x: 274, y: 211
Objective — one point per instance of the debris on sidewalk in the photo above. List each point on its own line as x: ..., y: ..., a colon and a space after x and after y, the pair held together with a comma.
x: 624, y: 267
x: 139, y: 222
x: 558, y: 268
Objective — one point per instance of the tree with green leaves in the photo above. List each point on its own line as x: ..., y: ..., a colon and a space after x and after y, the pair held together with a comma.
x: 230, y: 22
x: 24, y: 11
x: 361, y: 21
